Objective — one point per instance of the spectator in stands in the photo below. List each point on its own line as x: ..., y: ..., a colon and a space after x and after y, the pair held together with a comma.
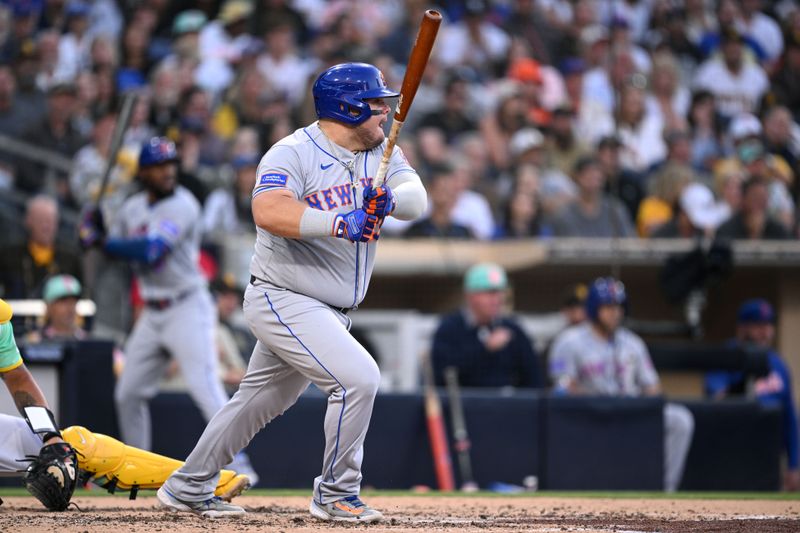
x: 786, y: 81
x: 233, y: 336
x: 61, y: 321
x: 621, y: 183
x: 705, y: 124
x: 286, y: 70
x: 221, y: 44
x: 24, y: 267
x: 755, y: 327
x: 455, y: 116
x: 601, y: 357
x: 594, y: 213
x: 562, y: 148
x: 499, y: 126
x: 486, y: 344
x: 555, y: 188
x: 779, y: 130
x: 443, y: 190
x: 474, y: 42
x: 523, y: 217
x: 697, y: 214
x: 738, y: 85
x: 752, y: 221
x: 57, y: 133
x: 90, y: 163
x: 640, y: 131
x: 227, y: 209
x: 14, y: 115
x: 762, y: 29
x: 658, y: 207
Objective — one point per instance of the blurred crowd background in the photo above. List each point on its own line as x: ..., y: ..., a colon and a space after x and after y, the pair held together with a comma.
x: 536, y: 118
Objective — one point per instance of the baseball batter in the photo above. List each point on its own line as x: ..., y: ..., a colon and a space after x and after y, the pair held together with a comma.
x: 317, y: 219
x: 159, y: 231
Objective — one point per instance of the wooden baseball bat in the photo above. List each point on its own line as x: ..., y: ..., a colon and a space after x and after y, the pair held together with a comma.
x: 460, y: 436
x: 123, y: 120
x: 436, y: 429
x: 417, y: 62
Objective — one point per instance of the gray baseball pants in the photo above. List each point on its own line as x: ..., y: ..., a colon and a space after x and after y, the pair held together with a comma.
x: 300, y: 341
x: 186, y: 330
x: 678, y: 432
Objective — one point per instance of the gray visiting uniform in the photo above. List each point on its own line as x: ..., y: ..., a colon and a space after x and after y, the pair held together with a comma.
x: 621, y: 367
x: 296, y: 306
x: 185, y: 323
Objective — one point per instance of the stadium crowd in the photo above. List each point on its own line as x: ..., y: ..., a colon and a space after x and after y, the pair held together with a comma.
x: 551, y: 117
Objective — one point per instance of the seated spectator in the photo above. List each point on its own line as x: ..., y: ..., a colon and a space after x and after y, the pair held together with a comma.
x: 456, y: 115
x: 738, y: 85
x: 25, y: 266
x: 556, y: 189
x: 485, y: 344
x: 523, y: 217
x: 61, y: 322
x: 621, y: 183
x: 227, y: 209
x: 562, y: 148
x: 442, y: 192
x: 639, y: 129
x: 755, y: 326
x: 601, y: 357
x: 751, y: 220
x: 697, y: 214
x: 657, y: 208
x: 706, y: 131
x: 593, y: 213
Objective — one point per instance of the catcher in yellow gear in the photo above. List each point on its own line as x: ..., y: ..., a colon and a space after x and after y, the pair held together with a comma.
x: 116, y: 466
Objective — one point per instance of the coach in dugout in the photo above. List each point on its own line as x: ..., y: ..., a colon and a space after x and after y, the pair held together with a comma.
x: 755, y: 327
x: 485, y: 344
x: 600, y: 357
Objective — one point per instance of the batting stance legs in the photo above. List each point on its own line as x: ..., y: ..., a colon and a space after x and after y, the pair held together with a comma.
x: 300, y: 340
x: 186, y: 330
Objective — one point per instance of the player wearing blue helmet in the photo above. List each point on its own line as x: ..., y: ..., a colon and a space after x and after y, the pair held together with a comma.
x: 317, y: 219
x: 601, y: 357
x: 158, y: 231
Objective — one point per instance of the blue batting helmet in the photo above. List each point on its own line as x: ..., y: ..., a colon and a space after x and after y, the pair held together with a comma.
x: 604, y: 291
x: 340, y: 91
x: 157, y: 151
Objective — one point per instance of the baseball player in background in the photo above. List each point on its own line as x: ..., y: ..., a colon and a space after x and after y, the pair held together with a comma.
x: 317, y: 219
x: 159, y: 231
x: 600, y: 357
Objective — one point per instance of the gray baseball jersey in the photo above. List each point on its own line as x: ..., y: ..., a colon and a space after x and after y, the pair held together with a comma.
x: 621, y: 367
x: 334, y: 271
x: 301, y: 338
x: 176, y: 219
x: 183, y: 322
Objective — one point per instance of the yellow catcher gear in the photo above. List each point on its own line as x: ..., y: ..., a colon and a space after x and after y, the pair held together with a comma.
x: 114, y: 465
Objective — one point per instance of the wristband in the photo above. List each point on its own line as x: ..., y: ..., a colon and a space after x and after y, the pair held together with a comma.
x: 41, y: 421
x: 317, y: 223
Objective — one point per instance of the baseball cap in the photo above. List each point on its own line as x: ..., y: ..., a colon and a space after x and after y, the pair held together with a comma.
x: 525, y: 70
x: 744, y: 125
x: 524, y: 140
x: 697, y: 201
x: 485, y: 277
x: 234, y: 11
x: 76, y: 8
x: 5, y: 312
x: 189, y: 21
x: 593, y: 34
x: 61, y: 286
x: 575, y: 295
x: 755, y: 311
x: 751, y: 150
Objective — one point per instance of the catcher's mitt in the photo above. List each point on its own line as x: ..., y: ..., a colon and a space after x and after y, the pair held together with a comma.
x: 51, y: 476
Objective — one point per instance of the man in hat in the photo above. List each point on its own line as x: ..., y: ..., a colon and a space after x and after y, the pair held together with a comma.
x: 487, y: 345
x: 755, y: 327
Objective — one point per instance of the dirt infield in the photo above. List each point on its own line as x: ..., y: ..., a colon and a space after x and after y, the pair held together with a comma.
x: 417, y: 513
